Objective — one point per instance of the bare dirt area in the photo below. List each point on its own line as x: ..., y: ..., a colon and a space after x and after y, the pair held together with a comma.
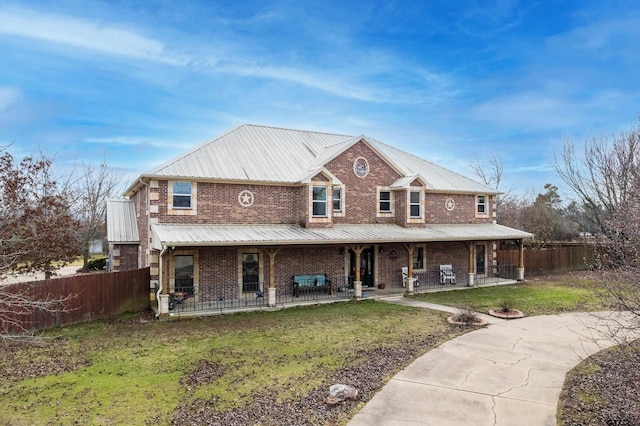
x: 21, y: 360
x: 603, y: 390
x: 310, y: 409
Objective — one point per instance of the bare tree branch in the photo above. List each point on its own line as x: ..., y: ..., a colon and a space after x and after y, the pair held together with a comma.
x: 17, y: 303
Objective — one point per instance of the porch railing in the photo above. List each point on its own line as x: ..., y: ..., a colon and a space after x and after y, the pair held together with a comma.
x: 230, y: 296
x: 430, y: 279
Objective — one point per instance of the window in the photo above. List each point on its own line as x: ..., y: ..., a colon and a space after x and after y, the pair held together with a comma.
x: 418, y: 258
x: 182, y: 195
x: 385, y: 201
x: 319, y: 201
x: 337, y: 199
x: 481, y: 205
x: 414, y: 204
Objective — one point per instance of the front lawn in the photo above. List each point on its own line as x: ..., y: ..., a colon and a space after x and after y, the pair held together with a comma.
x: 262, y: 367
x: 573, y: 292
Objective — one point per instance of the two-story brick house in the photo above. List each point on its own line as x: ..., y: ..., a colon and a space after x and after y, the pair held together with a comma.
x: 246, y: 212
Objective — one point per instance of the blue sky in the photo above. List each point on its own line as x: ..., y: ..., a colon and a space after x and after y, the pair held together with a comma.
x: 141, y: 82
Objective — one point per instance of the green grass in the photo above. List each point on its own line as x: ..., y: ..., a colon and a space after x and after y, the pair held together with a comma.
x: 564, y: 293
x: 123, y: 372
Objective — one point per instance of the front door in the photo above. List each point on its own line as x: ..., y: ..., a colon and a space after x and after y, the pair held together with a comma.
x: 366, y: 266
x: 183, y: 274
x: 250, y: 272
x: 480, y: 259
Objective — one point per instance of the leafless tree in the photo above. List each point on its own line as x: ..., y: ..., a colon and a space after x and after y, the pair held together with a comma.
x: 36, y: 225
x: 36, y: 230
x: 602, y: 176
x: 607, y: 181
x: 490, y: 172
x: 17, y: 304
x: 91, y: 187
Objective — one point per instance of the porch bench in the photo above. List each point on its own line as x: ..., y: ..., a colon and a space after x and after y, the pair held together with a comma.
x: 303, y: 284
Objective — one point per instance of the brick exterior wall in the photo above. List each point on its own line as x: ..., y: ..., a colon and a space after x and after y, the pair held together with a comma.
x: 219, y: 203
x: 360, y: 194
x: 124, y: 257
x: 464, y: 210
x: 220, y: 266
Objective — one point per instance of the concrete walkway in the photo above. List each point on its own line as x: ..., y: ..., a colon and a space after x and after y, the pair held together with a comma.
x: 508, y: 373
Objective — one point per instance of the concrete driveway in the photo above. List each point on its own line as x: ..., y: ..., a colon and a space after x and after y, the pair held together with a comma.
x: 509, y: 373
x: 37, y: 276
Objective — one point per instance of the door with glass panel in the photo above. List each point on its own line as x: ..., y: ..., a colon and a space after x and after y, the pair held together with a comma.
x: 183, y: 273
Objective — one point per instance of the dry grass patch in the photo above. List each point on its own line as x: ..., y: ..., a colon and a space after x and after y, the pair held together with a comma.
x: 263, y: 367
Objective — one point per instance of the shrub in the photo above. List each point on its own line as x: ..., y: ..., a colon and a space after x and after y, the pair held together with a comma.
x: 97, y: 264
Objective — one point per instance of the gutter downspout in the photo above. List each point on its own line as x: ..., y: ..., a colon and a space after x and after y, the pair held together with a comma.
x: 163, y: 300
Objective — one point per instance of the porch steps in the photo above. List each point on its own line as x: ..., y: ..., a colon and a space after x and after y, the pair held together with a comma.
x: 388, y: 298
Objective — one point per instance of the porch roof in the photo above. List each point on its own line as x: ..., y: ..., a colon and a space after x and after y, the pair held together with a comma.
x: 239, y: 235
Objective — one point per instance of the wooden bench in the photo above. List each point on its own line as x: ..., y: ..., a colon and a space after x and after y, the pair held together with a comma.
x: 303, y: 284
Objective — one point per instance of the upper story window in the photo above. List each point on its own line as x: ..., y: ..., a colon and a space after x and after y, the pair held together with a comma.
x: 319, y: 200
x: 385, y: 202
x: 337, y: 199
x: 182, y: 195
x: 415, y: 204
x: 481, y: 205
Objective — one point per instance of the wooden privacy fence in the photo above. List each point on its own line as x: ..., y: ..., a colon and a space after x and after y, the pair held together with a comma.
x: 72, y: 300
x: 551, y: 260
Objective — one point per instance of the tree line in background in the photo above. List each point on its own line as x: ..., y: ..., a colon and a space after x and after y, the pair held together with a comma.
x: 603, y: 180
x: 44, y: 221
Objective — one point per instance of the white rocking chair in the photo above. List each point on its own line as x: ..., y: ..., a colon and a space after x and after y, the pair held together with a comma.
x: 447, y: 276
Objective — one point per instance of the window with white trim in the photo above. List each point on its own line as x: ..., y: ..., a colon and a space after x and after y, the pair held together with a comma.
x: 481, y: 205
x: 181, y: 195
x: 319, y: 199
x: 415, y: 205
x: 337, y: 199
x: 385, y: 201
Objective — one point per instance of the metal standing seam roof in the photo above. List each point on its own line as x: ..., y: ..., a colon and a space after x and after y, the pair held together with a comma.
x: 121, y: 222
x: 230, y: 235
x: 275, y: 155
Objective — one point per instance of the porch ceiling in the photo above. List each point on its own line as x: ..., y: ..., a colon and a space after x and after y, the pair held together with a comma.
x: 241, y: 235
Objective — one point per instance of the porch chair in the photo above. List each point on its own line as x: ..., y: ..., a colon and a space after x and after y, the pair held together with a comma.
x: 447, y: 276
x: 405, y: 275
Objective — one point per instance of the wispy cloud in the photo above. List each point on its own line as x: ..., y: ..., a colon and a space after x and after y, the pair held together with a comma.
x: 88, y: 34
x: 130, y: 140
x: 8, y: 97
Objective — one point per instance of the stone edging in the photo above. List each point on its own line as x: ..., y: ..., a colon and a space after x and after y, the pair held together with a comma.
x: 510, y: 314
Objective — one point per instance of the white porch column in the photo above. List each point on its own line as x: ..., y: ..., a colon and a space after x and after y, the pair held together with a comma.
x: 271, y: 292
x: 520, y: 269
x: 357, y: 289
x: 410, y: 281
x: 471, y: 281
x: 163, y: 305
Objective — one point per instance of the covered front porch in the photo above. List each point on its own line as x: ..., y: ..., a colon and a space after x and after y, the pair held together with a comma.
x: 183, y: 303
x: 255, y: 267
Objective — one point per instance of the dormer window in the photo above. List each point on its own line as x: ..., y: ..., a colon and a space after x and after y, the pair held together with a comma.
x: 415, y: 205
x: 319, y: 200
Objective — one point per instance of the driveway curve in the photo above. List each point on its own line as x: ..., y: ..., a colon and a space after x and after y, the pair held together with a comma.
x: 509, y: 373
